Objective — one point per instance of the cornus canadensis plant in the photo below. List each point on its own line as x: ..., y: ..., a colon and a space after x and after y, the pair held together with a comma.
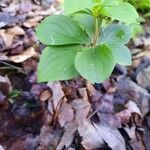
x: 85, y: 41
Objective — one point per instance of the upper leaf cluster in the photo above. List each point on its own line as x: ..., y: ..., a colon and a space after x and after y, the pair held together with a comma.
x: 77, y: 43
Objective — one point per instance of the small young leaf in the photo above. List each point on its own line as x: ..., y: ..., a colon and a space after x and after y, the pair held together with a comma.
x: 73, y: 6
x: 61, y: 30
x: 124, y: 12
x: 121, y: 54
x: 99, y: 7
x: 116, y: 33
x: 57, y: 63
x: 95, y: 64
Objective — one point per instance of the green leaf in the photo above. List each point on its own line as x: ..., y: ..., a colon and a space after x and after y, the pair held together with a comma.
x: 141, y: 4
x: 109, y: 3
x: 87, y: 22
x: 137, y: 30
x: 61, y: 30
x: 121, y: 54
x: 57, y: 63
x: 116, y: 33
x: 95, y: 64
x: 124, y: 12
x: 73, y: 6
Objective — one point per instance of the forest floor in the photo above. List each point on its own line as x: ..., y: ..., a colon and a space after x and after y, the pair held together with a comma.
x: 75, y: 114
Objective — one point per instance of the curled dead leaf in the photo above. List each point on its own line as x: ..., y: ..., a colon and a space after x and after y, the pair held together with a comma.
x: 45, y: 95
x: 30, y: 52
x: 66, y: 114
x: 142, y: 54
x: 133, y: 108
x: 33, y: 22
x: 96, y: 95
x: 16, y: 31
x: 9, y: 34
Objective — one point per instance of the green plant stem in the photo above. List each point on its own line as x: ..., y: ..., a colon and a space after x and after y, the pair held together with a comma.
x: 98, y: 23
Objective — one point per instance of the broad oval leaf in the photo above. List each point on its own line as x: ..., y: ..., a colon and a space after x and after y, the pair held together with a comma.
x: 73, y: 6
x: 87, y: 22
x: 95, y: 64
x: 57, y: 63
x: 116, y: 33
x: 60, y: 30
x: 121, y: 54
x: 124, y: 12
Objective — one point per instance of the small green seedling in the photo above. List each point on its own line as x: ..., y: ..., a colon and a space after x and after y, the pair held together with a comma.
x: 85, y: 41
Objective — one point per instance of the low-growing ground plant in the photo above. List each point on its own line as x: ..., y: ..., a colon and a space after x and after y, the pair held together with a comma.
x: 88, y: 40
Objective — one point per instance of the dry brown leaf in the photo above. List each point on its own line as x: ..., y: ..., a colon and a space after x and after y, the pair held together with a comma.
x: 3, y: 56
x: 41, y: 12
x: 33, y: 22
x: 142, y: 54
x: 136, y: 62
x: 94, y: 136
x: 7, y: 37
x: 45, y: 95
x: 66, y: 114
x: 30, y: 52
x: 68, y: 135
x: 16, y: 31
x: 96, y: 95
x: 111, y: 136
x: 136, y: 144
x: 5, y: 85
x: 110, y: 119
x: 124, y: 116
x: 50, y: 107
x: 82, y: 109
x: 146, y: 41
x: 9, y: 34
x: 131, y: 132
x: 1, y: 147
x: 83, y: 93
x: 13, y: 7
x: 57, y: 93
x: 133, y: 108
x: 90, y: 138
x: 143, y: 78
x: 129, y: 90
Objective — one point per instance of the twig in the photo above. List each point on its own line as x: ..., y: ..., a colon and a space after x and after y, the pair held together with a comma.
x: 13, y: 67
